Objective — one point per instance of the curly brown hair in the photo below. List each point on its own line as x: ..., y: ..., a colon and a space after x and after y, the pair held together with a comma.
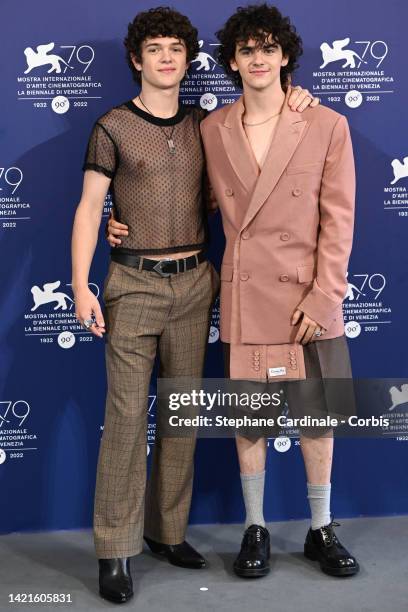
x: 258, y: 22
x: 159, y: 21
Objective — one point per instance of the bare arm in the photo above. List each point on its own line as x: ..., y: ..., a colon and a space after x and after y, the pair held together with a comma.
x: 84, y: 238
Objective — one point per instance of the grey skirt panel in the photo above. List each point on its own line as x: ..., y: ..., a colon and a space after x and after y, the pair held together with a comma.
x: 327, y: 391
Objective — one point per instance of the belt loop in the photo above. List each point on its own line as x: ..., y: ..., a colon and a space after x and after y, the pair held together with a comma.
x: 139, y: 267
x: 184, y: 264
x: 178, y: 266
x: 196, y: 258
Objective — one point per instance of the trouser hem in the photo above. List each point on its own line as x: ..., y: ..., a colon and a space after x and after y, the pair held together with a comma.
x: 127, y: 552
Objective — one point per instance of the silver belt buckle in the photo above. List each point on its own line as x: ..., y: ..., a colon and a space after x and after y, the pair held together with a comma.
x: 158, y: 267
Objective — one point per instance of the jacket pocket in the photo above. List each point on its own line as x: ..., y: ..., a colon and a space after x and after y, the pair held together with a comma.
x: 227, y: 272
x: 305, y: 168
x: 305, y: 273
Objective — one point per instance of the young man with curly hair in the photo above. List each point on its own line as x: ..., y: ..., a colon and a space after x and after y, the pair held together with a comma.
x: 158, y: 293
x: 285, y: 185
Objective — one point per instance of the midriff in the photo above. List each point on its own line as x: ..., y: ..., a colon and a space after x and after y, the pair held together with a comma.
x: 171, y: 255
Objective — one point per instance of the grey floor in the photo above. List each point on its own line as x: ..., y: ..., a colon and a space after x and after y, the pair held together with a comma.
x: 63, y: 562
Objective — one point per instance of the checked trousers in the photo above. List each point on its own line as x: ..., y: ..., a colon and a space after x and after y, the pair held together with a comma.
x: 146, y: 315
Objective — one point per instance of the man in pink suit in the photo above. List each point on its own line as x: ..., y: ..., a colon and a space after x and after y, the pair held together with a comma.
x: 285, y: 185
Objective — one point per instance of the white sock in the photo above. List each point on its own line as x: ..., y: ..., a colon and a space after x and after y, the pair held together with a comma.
x: 319, y: 500
x: 253, y: 491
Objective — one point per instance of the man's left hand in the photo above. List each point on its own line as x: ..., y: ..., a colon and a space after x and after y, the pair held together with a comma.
x: 300, y: 99
x: 308, y: 330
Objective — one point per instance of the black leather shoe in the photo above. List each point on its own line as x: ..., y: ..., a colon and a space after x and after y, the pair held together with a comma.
x: 253, y: 558
x: 182, y: 555
x: 322, y: 545
x: 115, y: 581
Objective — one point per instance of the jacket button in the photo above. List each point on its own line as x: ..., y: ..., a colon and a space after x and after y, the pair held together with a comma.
x: 284, y: 236
x: 284, y: 278
x: 257, y: 353
x: 292, y: 352
x: 297, y: 191
x: 245, y: 235
x: 293, y: 367
x: 229, y: 191
x: 244, y: 276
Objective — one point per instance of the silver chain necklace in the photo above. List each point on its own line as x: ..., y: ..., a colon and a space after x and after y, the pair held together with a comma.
x: 169, y: 139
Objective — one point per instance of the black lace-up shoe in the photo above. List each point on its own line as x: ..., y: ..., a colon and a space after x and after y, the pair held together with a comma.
x: 115, y: 581
x: 253, y: 558
x: 322, y: 545
x: 182, y: 555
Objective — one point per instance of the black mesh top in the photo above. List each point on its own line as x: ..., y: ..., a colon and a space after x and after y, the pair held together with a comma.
x: 158, y: 193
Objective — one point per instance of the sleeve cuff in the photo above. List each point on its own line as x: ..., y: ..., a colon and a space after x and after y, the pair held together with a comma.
x: 97, y: 168
x: 319, y: 306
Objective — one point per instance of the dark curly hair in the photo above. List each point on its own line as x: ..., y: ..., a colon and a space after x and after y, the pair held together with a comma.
x: 159, y: 21
x: 258, y: 22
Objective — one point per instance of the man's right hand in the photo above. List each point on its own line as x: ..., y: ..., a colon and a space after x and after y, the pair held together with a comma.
x: 114, y: 229
x: 88, y: 307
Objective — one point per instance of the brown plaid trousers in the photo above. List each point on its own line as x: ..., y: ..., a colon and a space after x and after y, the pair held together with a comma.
x: 146, y: 313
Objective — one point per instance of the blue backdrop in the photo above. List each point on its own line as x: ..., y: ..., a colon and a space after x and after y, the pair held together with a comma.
x: 61, y: 68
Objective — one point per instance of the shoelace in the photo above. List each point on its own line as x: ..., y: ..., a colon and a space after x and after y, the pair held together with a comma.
x: 329, y: 537
x: 253, y: 537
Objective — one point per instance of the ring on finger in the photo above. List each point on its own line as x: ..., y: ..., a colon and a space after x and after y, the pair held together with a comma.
x: 87, y: 323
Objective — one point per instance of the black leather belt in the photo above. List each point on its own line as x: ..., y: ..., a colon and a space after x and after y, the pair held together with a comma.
x: 163, y: 267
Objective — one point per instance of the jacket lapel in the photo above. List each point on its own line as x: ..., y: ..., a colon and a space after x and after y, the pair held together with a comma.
x: 287, y: 137
x: 237, y: 147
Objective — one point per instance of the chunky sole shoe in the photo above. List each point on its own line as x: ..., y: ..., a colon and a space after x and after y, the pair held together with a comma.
x: 312, y: 553
x: 253, y: 558
x: 252, y: 573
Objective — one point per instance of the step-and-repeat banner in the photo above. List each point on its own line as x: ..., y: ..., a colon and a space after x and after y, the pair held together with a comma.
x: 62, y: 66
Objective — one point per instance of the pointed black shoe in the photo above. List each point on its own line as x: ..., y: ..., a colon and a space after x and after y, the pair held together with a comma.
x: 182, y: 555
x: 253, y: 558
x: 115, y: 581
x: 322, y: 545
